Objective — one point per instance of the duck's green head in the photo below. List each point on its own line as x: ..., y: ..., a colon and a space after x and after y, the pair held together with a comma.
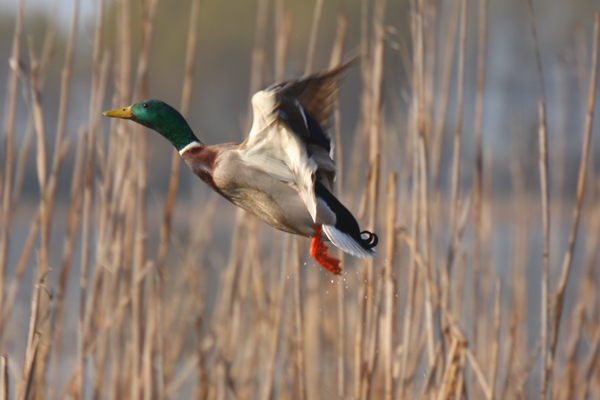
x: 160, y: 117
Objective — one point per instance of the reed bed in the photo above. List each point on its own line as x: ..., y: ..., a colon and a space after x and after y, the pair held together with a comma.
x: 477, y: 292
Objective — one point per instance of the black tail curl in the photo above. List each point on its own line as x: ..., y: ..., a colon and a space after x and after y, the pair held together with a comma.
x: 345, y: 220
x: 370, y: 241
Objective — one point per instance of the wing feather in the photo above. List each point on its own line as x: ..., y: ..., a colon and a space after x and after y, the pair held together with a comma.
x: 288, y: 138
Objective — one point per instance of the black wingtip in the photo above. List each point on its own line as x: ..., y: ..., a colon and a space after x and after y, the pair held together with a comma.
x: 370, y: 241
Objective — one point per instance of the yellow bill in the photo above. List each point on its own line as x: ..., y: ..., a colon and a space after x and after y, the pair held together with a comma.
x: 124, y: 113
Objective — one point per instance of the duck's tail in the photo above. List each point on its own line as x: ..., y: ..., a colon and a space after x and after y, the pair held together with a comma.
x: 357, y: 245
x: 346, y: 233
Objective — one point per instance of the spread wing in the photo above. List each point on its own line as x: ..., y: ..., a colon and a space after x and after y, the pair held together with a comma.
x: 289, y: 137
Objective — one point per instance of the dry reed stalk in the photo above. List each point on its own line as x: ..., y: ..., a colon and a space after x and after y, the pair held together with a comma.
x: 372, y: 343
x: 496, y: 343
x: 424, y: 217
x: 373, y: 135
x: 313, y: 334
x: 95, y: 102
x: 65, y: 84
x: 429, y: 59
x: 544, y: 199
x: 299, y: 325
x: 186, y: 94
x: 59, y: 150
x: 365, y: 116
x: 450, y: 370
x: 165, y: 228
x: 336, y: 59
x: 358, y: 341
x: 78, y: 386
x: 475, y: 364
x: 478, y: 176
x: 87, y: 198
x: 74, y: 214
x: 522, y: 374
x: 558, y: 155
x: 47, y: 52
x: 48, y: 48
x: 201, y: 392
x: 21, y: 164
x: 258, y: 289
x: 282, y: 43
x: 458, y: 282
x: 341, y: 308
x: 41, y: 167
x: 446, y: 73
x: 4, y: 382
x: 570, y: 352
x: 242, y: 292
x: 228, y: 277
x: 186, y: 310
x: 9, y: 129
x: 579, y: 319
x: 412, y: 283
x: 275, y: 320
x: 488, y: 261
x: 186, y: 371
x: 416, y: 356
x: 312, y: 41
x: 20, y: 269
x: 258, y: 55
x: 139, y: 163
x: 420, y: 171
x: 47, y: 184
x: 151, y: 328
x: 99, y: 362
x: 452, y: 243
x: 26, y: 386
x: 387, y: 321
x: 588, y: 367
x: 114, y: 319
x: 521, y: 231
x: 581, y: 181
x: 311, y: 331
x: 479, y: 373
x: 511, y: 346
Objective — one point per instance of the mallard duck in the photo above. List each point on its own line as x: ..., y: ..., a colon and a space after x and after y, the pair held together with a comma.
x: 283, y: 172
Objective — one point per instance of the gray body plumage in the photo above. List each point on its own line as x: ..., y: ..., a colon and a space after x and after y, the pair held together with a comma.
x: 273, y: 201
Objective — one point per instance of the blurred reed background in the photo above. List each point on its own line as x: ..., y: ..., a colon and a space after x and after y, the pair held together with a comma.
x: 464, y: 139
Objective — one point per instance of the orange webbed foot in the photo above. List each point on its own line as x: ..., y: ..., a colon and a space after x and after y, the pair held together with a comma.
x: 318, y: 251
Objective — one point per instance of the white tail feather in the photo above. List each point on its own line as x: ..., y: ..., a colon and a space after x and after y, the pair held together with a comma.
x: 346, y: 242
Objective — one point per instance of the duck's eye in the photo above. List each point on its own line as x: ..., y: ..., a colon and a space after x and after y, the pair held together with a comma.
x: 145, y: 105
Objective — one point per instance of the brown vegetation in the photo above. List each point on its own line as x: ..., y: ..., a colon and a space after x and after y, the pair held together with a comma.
x: 437, y: 315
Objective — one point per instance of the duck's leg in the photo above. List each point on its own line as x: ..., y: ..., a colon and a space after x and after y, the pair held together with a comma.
x: 318, y: 251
